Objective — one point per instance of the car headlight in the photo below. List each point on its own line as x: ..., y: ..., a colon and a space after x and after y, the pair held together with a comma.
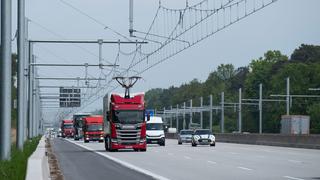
x: 162, y: 135
x: 212, y: 137
x: 196, y: 137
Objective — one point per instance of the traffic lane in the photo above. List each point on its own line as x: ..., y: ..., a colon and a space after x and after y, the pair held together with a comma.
x: 158, y: 160
x: 293, y: 162
x: 257, y: 162
x: 277, y: 162
x: 159, y: 163
x: 77, y: 163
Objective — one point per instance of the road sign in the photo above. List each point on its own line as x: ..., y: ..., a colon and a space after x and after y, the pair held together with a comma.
x: 70, y: 97
x: 149, y: 112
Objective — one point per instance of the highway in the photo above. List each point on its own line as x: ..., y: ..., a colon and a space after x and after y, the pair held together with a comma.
x: 80, y: 164
x: 183, y: 162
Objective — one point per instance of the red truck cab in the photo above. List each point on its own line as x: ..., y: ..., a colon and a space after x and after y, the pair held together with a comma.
x: 93, y: 128
x: 67, y: 128
x: 124, y: 120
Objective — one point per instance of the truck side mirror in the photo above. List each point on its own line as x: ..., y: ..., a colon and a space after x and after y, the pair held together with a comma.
x: 148, y: 117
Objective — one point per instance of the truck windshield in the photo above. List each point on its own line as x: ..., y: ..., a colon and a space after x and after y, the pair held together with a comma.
x: 68, y: 126
x: 128, y: 116
x: 154, y: 126
x: 94, y: 127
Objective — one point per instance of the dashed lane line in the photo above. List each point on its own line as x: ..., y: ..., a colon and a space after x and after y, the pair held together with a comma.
x: 244, y: 168
x: 187, y: 157
x: 212, y: 162
x: 293, y: 178
x: 294, y: 161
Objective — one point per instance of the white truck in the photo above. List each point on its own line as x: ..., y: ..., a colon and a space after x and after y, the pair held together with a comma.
x: 155, y: 132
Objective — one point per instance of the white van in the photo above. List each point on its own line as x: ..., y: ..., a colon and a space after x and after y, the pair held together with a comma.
x: 155, y: 132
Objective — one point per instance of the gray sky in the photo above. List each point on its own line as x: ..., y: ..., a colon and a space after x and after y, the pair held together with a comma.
x: 282, y: 26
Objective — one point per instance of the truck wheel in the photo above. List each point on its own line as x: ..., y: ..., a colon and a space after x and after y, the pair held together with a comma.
x: 106, y: 144
x: 179, y: 142
x: 193, y: 144
x: 109, y: 145
x: 143, y: 150
x: 214, y: 144
x: 85, y: 141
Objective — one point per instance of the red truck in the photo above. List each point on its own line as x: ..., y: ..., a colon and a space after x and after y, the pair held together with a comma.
x: 67, y: 128
x: 124, y: 120
x: 93, y: 128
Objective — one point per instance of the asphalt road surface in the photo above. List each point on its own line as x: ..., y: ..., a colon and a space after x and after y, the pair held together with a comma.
x: 183, y: 162
x: 78, y: 163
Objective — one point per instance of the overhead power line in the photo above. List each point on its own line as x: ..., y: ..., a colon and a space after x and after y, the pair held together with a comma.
x: 95, y: 20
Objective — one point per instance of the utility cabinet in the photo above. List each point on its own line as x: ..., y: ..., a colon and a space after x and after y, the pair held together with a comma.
x: 295, y: 124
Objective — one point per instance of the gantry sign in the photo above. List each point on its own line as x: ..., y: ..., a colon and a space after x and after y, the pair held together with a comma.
x: 70, y: 97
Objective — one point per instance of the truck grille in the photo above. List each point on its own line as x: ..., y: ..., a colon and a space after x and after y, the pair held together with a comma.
x: 128, y: 136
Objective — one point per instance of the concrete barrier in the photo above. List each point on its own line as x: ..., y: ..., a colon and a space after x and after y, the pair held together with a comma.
x: 38, y: 167
x: 298, y: 141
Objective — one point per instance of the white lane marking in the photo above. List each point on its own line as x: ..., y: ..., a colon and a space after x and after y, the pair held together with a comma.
x: 294, y: 178
x: 294, y: 161
x: 212, y: 162
x: 244, y: 168
x: 126, y: 164
x: 187, y: 157
x: 270, y: 151
x: 233, y: 153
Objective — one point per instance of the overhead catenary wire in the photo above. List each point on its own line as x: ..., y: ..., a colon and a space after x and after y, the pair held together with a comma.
x: 196, y: 29
x: 94, y: 19
x: 64, y: 38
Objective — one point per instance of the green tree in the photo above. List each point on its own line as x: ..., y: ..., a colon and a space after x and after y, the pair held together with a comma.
x: 306, y: 54
x: 271, y: 70
x: 314, y: 112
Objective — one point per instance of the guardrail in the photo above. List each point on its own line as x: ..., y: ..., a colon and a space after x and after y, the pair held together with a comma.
x: 297, y: 141
x: 38, y: 167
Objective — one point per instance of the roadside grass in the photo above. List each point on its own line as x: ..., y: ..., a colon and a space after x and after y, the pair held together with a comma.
x: 15, y: 169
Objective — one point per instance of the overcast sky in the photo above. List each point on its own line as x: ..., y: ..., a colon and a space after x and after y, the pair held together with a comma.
x: 282, y: 26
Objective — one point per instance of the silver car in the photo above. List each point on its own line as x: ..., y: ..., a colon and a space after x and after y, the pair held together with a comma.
x: 185, y: 136
x: 203, y: 137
